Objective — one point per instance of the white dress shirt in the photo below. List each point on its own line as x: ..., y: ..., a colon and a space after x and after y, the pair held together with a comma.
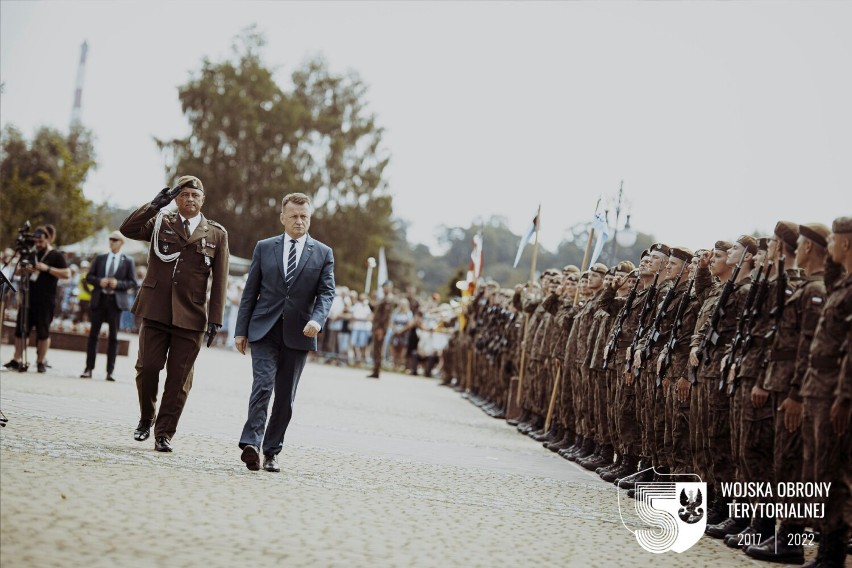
x: 193, y: 223
x: 300, y: 246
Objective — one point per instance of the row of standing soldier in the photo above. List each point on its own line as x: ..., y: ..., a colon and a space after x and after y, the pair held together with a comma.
x: 727, y: 363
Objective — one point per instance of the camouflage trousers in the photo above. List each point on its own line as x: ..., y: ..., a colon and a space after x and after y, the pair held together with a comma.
x: 677, y: 441
x: 720, y: 459
x: 826, y: 458
x: 788, y: 454
x: 598, y: 379
x: 652, y: 418
x: 699, y: 414
x: 626, y: 426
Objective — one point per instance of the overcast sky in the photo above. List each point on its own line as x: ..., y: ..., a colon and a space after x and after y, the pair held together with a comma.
x: 720, y: 117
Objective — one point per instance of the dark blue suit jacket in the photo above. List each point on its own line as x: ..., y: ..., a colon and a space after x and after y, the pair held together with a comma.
x: 125, y: 273
x: 266, y: 299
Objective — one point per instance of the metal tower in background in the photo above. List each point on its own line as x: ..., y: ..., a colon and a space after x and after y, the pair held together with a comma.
x: 78, y: 90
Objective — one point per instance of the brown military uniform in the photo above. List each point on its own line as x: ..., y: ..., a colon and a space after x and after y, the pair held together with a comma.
x: 826, y: 454
x: 175, y: 306
x: 381, y: 322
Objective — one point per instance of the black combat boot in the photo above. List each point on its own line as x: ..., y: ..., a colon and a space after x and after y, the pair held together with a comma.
x: 574, y: 448
x: 728, y: 526
x: 627, y: 466
x: 522, y: 417
x: 604, y: 457
x: 611, y: 466
x: 644, y: 475
x: 565, y: 442
x: 832, y: 550
x: 585, y: 451
x: 779, y: 549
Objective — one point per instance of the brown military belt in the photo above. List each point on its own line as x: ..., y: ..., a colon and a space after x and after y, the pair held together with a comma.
x: 788, y: 355
x: 825, y: 363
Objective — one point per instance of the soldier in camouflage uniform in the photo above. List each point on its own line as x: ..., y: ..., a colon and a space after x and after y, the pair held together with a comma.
x: 788, y: 339
x: 583, y: 407
x: 826, y: 436
x: 626, y: 424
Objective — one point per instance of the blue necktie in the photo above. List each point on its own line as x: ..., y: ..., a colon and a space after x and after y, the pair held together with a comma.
x: 291, y: 263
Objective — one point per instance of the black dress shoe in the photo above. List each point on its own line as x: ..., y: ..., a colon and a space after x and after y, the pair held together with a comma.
x: 270, y: 463
x: 251, y: 457
x: 87, y: 374
x: 41, y: 368
x: 110, y: 378
x: 162, y: 444
x: 143, y: 430
x: 372, y: 376
x: 13, y: 364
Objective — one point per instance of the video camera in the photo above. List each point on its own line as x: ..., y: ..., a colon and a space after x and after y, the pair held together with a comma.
x: 25, y: 245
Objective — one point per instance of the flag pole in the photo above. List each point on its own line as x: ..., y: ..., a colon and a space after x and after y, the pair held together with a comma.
x: 526, y: 316
x: 583, y: 265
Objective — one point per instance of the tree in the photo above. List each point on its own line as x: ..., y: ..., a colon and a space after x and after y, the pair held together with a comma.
x: 42, y: 182
x: 252, y: 142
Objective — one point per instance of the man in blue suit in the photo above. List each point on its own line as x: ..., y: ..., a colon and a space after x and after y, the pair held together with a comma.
x: 111, y: 274
x: 285, y: 303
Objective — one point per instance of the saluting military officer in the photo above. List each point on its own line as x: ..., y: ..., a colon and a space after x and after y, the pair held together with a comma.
x: 188, y: 254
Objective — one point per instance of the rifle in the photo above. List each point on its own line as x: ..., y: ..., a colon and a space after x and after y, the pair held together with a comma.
x: 646, y: 308
x: 654, y: 334
x: 777, y: 311
x: 612, y: 345
x: 743, y: 323
x: 711, y: 335
x: 678, y: 322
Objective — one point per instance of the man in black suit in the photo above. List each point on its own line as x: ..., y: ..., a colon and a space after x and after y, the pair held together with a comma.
x: 112, y: 274
x: 287, y: 296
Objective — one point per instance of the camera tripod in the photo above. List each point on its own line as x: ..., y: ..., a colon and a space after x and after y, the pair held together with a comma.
x: 22, y: 323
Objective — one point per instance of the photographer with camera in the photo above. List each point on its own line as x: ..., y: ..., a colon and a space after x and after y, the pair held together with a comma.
x: 40, y: 266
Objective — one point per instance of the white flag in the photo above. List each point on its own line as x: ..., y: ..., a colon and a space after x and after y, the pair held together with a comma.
x: 383, y: 273
x: 525, y: 239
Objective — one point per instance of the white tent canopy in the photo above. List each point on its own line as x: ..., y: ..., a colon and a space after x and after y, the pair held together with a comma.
x: 99, y: 243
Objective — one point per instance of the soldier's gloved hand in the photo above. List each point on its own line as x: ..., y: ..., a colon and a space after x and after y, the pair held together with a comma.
x: 162, y: 199
x: 210, y: 334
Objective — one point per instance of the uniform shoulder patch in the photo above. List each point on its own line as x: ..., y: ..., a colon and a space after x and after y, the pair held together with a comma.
x: 217, y: 225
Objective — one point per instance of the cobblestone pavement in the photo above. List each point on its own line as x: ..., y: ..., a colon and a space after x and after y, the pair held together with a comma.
x: 395, y: 472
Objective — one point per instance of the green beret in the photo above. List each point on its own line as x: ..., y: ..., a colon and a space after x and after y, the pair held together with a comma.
x: 842, y: 225
x: 190, y: 181
x: 816, y: 232
x: 661, y: 248
x: 788, y: 232
x: 598, y: 267
x: 681, y: 253
x: 749, y: 242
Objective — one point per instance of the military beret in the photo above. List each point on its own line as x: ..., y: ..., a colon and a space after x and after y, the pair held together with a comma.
x: 584, y: 275
x: 723, y: 245
x: 661, y: 248
x: 190, y: 181
x: 817, y: 232
x: 749, y: 242
x: 842, y: 225
x: 551, y: 272
x: 681, y: 253
x: 625, y: 266
x: 788, y: 232
x: 645, y: 253
x: 598, y: 267
x: 572, y: 276
x: 570, y: 268
x: 763, y: 243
